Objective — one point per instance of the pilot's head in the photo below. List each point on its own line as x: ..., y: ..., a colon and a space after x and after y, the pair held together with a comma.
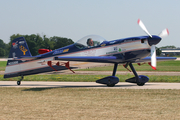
x: 90, y: 42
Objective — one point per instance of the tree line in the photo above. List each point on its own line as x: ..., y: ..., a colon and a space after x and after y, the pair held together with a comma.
x: 35, y: 42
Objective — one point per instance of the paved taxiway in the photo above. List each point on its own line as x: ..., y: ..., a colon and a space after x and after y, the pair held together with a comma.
x: 120, y: 85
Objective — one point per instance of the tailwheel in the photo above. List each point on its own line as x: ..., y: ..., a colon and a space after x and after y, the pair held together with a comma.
x: 18, y: 82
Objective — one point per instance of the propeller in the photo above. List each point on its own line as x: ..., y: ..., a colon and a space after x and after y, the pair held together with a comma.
x: 153, y: 57
x: 143, y: 27
x: 164, y: 33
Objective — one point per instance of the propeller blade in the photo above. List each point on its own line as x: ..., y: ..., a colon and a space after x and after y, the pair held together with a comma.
x: 143, y: 27
x: 153, y: 57
x: 164, y: 33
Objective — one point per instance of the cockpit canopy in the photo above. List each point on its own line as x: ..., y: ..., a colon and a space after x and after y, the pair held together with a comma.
x: 84, y: 42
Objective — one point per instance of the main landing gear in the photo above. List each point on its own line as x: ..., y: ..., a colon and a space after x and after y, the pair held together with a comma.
x: 110, y: 81
x: 19, y: 81
x: 139, y: 80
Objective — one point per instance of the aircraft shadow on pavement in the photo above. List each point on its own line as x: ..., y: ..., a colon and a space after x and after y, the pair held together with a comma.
x: 59, y: 86
x: 41, y: 87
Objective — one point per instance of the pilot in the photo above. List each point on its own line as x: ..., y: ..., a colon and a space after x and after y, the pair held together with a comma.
x: 90, y: 42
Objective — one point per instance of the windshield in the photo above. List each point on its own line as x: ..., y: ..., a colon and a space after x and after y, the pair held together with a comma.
x: 89, y: 41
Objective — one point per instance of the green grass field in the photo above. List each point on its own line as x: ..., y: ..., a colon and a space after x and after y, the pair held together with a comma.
x: 161, y: 66
x: 2, y: 65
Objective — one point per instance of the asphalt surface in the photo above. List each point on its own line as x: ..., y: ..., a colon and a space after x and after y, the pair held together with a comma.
x: 120, y: 85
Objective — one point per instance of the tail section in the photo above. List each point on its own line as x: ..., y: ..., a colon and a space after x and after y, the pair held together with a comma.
x: 18, y: 49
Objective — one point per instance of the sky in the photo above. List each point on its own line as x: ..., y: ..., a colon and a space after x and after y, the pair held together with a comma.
x: 74, y: 19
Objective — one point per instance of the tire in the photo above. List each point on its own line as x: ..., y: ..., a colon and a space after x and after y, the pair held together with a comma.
x: 140, y: 84
x: 18, y: 82
x: 110, y: 85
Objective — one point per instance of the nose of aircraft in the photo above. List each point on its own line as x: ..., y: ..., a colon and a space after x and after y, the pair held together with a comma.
x: 154, y: 40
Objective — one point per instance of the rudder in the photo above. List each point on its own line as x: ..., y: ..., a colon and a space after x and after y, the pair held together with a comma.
x: 19, y: 48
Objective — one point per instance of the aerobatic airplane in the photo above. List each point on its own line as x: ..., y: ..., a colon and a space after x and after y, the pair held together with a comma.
x: 90, y: 48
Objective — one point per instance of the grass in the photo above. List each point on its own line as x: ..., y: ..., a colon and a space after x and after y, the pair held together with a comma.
x: 161, y: 66
x: 89, y: 104
x: 3, y: 65
x: 89, y: 78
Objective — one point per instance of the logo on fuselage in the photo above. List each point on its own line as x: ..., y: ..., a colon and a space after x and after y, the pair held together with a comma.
x: 23, y: 49
x: 65, y: 50
x: 60, y: 51
x: 103, y: 45
x: 12, y: 63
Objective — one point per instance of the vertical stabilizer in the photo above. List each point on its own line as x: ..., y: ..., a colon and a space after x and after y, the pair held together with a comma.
x: 18, y: 49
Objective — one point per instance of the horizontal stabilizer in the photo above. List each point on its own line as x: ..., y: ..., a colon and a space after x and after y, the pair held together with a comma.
x: 25, y: 58
x: 30, y: 58
x: 148, y: 59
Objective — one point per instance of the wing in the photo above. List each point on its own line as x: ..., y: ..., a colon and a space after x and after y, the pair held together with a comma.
x: 148, y: 59
x: 102, y: 59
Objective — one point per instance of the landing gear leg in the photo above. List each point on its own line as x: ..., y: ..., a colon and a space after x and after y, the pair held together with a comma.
x: 113, y: 74
x: 19, y: 82
x: 136, y: 75
x: 115, y: 69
